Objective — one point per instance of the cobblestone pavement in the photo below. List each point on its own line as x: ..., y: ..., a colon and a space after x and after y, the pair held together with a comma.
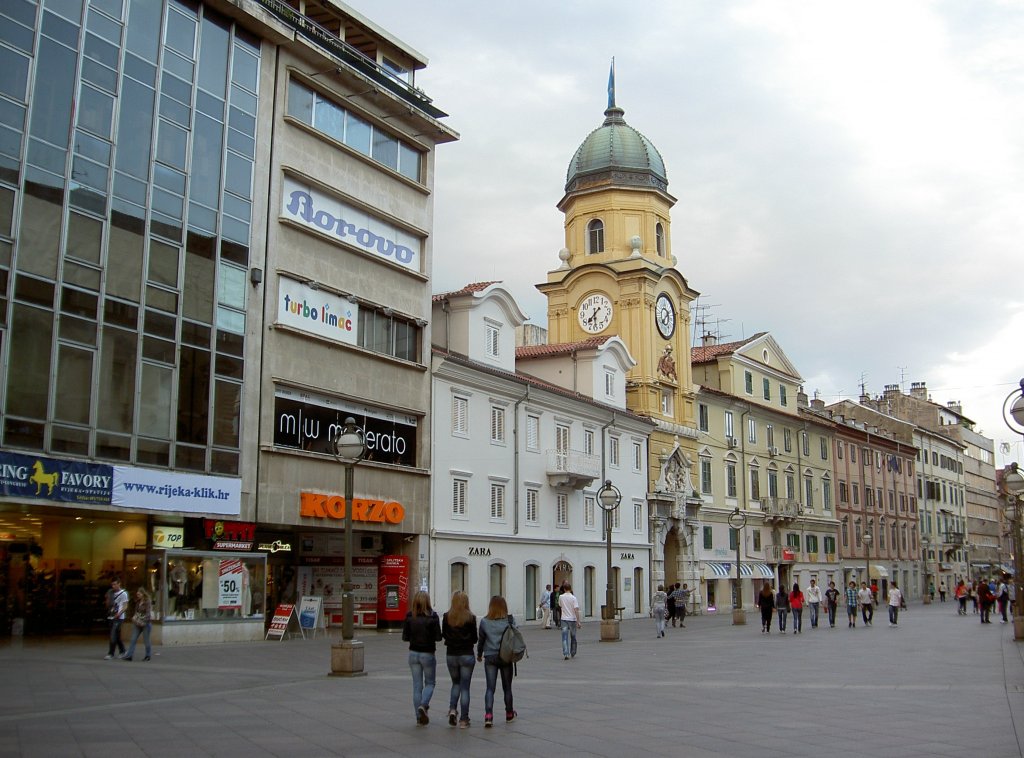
x: 936, y: 685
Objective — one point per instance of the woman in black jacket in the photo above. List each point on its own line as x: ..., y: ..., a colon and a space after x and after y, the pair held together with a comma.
x: 422, y: 630
x: 458, y: 628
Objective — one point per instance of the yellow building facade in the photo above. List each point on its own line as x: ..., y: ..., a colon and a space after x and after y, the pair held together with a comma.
x: 618, y: 277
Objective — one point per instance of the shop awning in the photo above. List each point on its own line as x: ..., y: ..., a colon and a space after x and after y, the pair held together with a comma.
x: 716, y: 570
x: 758, y: 570
x: 1006, y: 569
x: 879, y: 572
x: 976, y: 564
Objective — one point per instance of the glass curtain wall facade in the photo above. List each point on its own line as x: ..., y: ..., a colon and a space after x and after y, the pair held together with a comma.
x: 127, y: 141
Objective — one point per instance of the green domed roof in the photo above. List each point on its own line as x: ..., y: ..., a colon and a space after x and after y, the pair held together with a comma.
x: 616, y: 153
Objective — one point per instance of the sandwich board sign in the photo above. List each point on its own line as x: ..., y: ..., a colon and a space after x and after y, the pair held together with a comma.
x: 311, y: 614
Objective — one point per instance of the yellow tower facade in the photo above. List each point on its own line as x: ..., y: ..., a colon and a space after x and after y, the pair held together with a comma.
x: 618, y: 277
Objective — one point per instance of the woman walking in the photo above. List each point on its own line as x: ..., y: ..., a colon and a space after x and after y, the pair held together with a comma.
x: 961, y: 598
x: 796, y: 604
x: 458, y: 628
x: 492, y: 626
x: 782, y: 606
x: 142, y: 624
x: 659, y: 601
x: 422, y: 630
x: 766, y: 602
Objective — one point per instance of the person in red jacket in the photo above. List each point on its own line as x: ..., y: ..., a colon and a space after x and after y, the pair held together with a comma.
x: 796, y: 605
x: 985, y: 600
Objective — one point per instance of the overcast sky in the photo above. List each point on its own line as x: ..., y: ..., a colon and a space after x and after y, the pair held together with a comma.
x: 849, y: 176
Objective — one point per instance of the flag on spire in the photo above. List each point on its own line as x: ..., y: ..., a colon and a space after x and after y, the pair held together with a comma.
x: 611, y: 85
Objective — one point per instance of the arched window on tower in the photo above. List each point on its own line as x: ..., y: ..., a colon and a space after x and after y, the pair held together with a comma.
x: 595, y: 236
x: 659, y: 237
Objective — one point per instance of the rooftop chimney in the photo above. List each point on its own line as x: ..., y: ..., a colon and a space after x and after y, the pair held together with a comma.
x: 890, y: 390
x: 954, y: 405
x: 919, y: 390
x: 709, y: 339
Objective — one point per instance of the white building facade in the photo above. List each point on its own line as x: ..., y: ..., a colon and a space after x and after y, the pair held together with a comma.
x: 518, y: 462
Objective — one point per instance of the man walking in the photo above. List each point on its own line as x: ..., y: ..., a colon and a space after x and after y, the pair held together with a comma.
x: 867, y: 605
x: 545, y: 606
x: 115, y: 615
x: 1003, y: 599
x: 813, y: 596
x: 556, y: 609
x: 895, y: 603
x: 681, y: 595
x: 831, y: 604
x: 571, y: 620
x: 851, y: 605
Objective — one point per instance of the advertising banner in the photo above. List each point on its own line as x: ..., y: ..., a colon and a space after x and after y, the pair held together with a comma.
x: 331, y: 216
x: 229, y: 585
x: 310, y: 613
x: 62, y: 481
x: 308, y: 421
x: 280, y: 620
x: 171, y: 491
x: 316, y: 312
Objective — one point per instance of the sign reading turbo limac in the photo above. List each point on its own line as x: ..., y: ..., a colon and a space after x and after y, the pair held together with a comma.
x: 309, y: 421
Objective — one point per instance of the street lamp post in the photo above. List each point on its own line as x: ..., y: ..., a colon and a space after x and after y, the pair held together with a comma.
x: 737, y: 520
x: 609, y: 497
x: 1014, y: 484
x: 868, y: 538
x: 1013, y: 415
x: 347, y: 657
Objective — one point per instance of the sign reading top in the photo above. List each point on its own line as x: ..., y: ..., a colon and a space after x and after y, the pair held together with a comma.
x: 329, y: 215
x: 309, y: 421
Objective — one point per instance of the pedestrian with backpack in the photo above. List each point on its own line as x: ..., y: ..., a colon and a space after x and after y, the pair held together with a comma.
x: 488, y: 649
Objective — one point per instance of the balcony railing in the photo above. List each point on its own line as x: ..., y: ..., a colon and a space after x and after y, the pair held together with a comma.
x: 780, y: 554
x: 780, y: 508
x: 572, y: 468
x: 333, y: 44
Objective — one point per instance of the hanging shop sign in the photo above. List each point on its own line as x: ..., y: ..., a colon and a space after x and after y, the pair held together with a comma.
x: 168, y: 537
x: 275, y: 547
x: 319, y: 505
x: 316, y: 311
x: 230, y: 535
x: 309, y: 421
x: 327, y: 214
x: 62, y: 481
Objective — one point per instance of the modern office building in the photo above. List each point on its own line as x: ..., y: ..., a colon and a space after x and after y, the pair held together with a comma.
x: 215, y: 243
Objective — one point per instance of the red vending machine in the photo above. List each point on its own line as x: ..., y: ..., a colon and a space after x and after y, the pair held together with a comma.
x: 392, y: 591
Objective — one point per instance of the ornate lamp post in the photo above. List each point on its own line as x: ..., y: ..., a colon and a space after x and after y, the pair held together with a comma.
x: 347, y: 657
x: 738, y: 520
x: 609, y: 497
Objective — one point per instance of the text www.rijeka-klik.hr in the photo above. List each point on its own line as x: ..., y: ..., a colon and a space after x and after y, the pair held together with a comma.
x: 167, y: 490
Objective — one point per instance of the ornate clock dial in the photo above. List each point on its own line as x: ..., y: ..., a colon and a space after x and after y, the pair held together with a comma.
x: 665, y: 316
x: 595, y: 313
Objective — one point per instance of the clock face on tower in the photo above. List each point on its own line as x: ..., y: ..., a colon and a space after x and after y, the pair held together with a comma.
x: 595, y: 313
x: 665, y: 315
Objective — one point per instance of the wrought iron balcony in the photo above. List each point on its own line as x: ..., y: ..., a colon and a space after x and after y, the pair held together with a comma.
x: 572, y: 468
x: 780, y: 509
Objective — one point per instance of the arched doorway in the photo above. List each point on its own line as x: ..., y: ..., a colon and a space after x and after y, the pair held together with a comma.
x: 673, y: 572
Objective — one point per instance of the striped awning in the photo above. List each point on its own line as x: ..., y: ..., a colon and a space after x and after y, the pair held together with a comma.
x: 718, y: 570
x: 761, y: 570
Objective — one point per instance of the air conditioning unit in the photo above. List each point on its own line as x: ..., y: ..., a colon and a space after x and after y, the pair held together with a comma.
x: 732, y: 441
x: 773, y: 451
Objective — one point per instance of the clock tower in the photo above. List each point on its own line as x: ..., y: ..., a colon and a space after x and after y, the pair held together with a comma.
x: 618, y: 277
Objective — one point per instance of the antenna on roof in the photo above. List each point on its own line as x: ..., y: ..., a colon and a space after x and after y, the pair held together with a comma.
x: 903, y: 377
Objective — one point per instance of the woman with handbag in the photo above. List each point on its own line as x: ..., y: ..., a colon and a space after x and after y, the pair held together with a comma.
x: 142, y: 623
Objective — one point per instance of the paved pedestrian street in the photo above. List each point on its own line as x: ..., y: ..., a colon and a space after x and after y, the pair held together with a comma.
x: 936, y: 685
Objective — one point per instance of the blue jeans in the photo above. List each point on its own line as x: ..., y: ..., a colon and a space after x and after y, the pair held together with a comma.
x: 460, y: 668
x: 492, y: 665
x: 894, y: 614
x: 831, y: 614
x: 783, y: 612
x: 424, y: 670
x: 798, y: 619
x: 814, y: 614
x: 136, y: 631
x: 115, y: 636
x: 569, y: 632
